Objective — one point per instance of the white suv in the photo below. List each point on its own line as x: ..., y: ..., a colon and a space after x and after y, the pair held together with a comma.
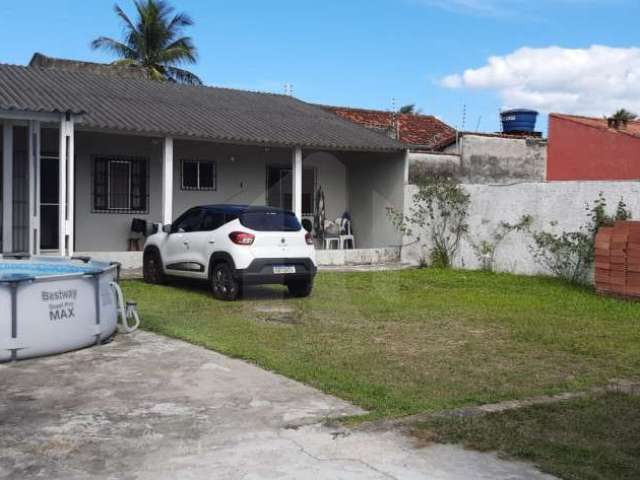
x: 233, y: 245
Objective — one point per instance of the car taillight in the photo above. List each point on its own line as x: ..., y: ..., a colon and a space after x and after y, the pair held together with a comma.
x: 309, y: 239
x: 242, y: 238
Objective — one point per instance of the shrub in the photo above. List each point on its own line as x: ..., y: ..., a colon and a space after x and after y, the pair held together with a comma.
x: 570, y: 255
x: 440, y: 208
x: 485, y: 249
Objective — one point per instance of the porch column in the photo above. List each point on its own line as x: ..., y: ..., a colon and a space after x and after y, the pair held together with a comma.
x: 7, y: 187
x: 297, y: 181
x: 66, y: 186
x: 34, y: 187
x: 167, y: 181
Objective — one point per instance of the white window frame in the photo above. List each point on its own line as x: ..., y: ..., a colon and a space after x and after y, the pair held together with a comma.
x: 199, y: 188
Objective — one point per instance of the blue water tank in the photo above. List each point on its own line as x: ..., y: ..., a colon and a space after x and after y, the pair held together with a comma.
x: 519, y: 120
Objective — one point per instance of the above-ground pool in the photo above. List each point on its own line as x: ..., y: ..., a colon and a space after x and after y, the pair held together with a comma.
x: 51, y: 305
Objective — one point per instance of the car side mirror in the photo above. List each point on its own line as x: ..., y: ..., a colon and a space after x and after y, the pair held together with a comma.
x: 166, y: 228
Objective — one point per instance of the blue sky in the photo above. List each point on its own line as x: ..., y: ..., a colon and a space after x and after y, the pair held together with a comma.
x: 368, y: 52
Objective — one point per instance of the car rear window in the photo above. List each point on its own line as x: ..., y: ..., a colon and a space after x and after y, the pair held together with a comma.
x: 268, y: 221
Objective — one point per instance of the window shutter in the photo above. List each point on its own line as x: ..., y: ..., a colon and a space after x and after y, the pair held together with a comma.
x: 139, y: 185
x: 100, y: 200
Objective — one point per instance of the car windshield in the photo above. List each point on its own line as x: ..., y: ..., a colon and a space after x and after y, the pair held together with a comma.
x: 270, y: 221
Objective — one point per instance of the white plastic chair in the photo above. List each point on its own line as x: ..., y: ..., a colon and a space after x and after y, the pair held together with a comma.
x: 346, y: 234
x: 332, y: 235
x: 329, y: 241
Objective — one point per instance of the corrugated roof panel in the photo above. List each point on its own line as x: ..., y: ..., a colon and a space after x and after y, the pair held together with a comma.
x: 144, y: 106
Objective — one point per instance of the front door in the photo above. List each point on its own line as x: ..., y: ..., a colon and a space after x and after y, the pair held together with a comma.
x: 280, y: 188
x: 49, y: 202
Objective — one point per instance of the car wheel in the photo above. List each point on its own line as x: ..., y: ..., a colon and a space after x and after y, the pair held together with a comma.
x: 223, y: 284
x: 300, y: 289
x: 152, y: 267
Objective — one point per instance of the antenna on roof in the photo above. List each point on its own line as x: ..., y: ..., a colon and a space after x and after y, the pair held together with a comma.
x: 464, y: 116
x: 395, y: 118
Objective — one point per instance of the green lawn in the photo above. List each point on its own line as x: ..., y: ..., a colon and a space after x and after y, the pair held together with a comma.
x: 587, y: 439
x: 414, y: 341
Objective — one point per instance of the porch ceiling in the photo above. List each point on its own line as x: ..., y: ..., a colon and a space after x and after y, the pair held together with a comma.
x: 154, y: 108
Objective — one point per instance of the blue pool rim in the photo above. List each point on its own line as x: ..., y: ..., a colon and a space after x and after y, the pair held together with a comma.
x: 24, y: 268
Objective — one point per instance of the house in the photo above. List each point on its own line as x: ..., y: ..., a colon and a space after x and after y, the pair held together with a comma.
x: 585, y: 148
x: 418, y: 132
x: 86, y: 149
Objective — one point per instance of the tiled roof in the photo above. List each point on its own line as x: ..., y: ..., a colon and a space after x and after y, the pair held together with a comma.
x: 158, y: 108
x: 425, y: 131
x: 631, y: 128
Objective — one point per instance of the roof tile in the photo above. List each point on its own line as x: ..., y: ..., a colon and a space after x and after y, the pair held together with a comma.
x: 420, y: 130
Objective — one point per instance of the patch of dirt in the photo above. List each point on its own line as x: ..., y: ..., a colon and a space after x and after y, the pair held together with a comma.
x: 278, y: 314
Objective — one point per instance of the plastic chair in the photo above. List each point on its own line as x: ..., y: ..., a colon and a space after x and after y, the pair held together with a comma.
x: 331, y: 235
x: 329, y: 241
x: 346, y: 234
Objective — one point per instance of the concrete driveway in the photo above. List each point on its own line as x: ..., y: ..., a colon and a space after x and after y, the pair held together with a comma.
x: 148, y: 407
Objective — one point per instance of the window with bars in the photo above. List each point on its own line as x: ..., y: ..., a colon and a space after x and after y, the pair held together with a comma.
x: 120, y: 185
x: 199, y: 175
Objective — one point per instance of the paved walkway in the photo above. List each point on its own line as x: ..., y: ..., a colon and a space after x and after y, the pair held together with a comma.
x: 148, y: 407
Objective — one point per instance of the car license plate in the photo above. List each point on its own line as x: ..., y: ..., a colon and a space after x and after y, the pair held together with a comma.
x: 280, y: 269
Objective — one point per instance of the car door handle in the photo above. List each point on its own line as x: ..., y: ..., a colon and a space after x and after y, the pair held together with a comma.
x: 212, y: 242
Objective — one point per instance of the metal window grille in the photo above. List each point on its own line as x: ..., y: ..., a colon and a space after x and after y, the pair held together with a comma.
x: 120, y: 185
x: 199, y: 175
x: 20, y: 202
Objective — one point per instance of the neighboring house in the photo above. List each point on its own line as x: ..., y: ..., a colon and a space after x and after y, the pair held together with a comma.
x: 584, y: 148
x: 419, y: 132
x: 86, y: 149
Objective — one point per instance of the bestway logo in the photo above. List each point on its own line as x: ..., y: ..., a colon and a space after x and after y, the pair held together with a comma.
x: 59, y: 295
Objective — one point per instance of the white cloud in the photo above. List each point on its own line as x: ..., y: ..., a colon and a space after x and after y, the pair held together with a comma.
x: 591, y: 81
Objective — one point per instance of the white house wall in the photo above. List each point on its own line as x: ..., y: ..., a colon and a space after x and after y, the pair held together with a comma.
x: 241, y: 178
x: 376, y: 181
x: 241, y: 173
x: 331, y: 175
x: 110, y: 231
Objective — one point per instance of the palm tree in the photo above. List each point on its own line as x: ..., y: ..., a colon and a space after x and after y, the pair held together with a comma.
x: 154, y: 42
x: 624, y: 115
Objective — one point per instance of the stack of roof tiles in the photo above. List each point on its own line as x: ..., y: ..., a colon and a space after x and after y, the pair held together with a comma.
x: 617, y: 259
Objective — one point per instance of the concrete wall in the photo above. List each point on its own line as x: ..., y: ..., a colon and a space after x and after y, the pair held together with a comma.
x: 500, y: 160
x: 376, y: 181
x: 562, y: 202
x: 433, y: 163
x: 241, y: 178
x: 486, y: 159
